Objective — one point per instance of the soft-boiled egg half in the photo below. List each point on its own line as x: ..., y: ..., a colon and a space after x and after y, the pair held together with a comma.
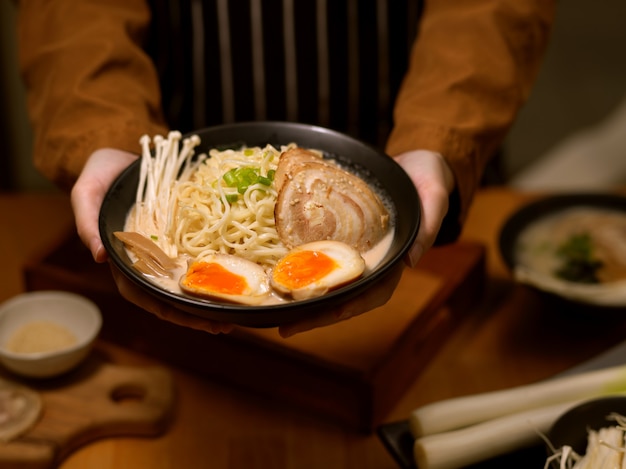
x: 312, y: 269
x: 228, y: 278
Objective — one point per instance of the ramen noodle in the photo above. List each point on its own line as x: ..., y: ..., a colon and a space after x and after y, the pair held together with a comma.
x: 221, y: 203
x: 197, y: 208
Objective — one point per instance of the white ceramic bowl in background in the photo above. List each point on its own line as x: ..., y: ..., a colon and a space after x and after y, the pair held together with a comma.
x: 594, y: 299
x: 75, y: 313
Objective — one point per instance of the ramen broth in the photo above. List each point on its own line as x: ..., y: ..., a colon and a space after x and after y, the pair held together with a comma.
x: 543, y: 246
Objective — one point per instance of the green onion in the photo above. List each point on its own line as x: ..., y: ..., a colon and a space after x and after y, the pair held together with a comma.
x: 462, y: 431
x: 579, y: 265
x: 248, y: 174
x: 243, y: 178
x: 265, y: 181
x: 468, y: 446
x: 230, y: 178
x: 232, y: 198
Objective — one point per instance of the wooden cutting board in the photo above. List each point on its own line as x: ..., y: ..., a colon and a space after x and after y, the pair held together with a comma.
x: 98, y: 400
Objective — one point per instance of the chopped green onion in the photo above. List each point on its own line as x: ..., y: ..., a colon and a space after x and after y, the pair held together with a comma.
x: 248, y: 175
x: 229, y: 178
x: 232, y: 198
x: 265, y: 181
x: 243, y: 178
x: 579, y: 265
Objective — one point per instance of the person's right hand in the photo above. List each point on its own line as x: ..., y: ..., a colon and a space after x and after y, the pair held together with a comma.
x: 99, y: 173
x: 434, y: 181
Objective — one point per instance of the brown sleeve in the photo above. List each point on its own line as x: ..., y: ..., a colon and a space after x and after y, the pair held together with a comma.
x: 472, y: 68
x: 89, y: 83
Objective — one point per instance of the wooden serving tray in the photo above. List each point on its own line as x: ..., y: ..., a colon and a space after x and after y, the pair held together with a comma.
x: 352, y: 372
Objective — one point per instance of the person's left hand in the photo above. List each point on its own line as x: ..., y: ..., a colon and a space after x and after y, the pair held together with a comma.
x: 100, y: 171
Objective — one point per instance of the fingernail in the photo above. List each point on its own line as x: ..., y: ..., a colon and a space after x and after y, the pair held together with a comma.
x: 97, y: 255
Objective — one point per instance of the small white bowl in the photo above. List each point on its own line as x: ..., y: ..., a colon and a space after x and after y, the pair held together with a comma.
x: 73, y: 313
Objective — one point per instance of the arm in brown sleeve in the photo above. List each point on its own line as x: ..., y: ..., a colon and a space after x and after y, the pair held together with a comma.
x: 89, y: 83
x: 472, y: 68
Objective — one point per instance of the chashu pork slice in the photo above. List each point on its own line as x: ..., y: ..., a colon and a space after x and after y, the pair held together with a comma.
x: 318, y: 200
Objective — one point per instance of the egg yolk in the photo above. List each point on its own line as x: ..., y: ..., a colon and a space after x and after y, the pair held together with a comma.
x: 301, y: 268
x: 214, y: 277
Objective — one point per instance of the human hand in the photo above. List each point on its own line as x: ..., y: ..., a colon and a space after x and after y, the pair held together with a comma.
x: 100, y: 171
x: 164, y: 310
x: 434, y: 182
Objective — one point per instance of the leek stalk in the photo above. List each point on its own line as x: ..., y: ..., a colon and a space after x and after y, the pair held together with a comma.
x: 459, y: 412
x: 461, y: 431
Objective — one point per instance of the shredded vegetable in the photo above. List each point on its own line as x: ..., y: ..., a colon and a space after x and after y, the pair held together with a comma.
x: 606, y: 449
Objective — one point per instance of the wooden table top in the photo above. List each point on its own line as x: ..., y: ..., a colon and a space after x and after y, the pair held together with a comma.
x: 509, y: 340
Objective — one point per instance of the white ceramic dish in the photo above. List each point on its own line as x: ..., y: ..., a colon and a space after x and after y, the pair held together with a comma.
x: 71, y: 313
x: 609, y: 297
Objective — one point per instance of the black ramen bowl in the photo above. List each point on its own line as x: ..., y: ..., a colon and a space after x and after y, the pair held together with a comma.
x: 572, y: 428
x: 536, y: 210
x: 375, y: 166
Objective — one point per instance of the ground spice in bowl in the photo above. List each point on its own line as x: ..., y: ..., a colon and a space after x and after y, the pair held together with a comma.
x: 39, y: 337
